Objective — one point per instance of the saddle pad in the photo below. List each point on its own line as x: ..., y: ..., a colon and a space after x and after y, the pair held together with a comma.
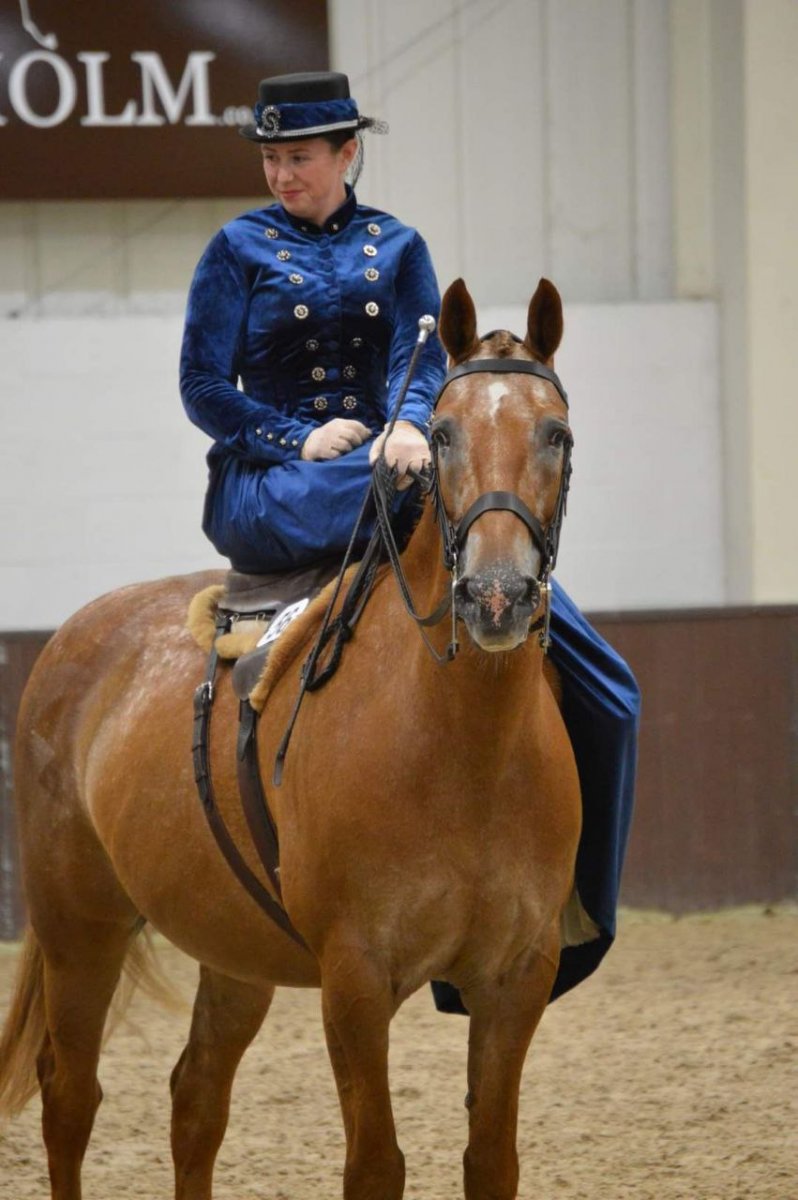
x: 249, y: 668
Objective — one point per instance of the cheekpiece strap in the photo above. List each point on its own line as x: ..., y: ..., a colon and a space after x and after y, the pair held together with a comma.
x: 503, y: 366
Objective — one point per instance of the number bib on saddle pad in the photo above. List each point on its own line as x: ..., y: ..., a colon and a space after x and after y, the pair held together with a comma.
x: 282, y: 620
x: 250, y: 667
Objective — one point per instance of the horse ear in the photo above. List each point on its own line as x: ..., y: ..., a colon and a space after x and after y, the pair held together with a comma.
x: 458, y: 323
x: 544, y: 322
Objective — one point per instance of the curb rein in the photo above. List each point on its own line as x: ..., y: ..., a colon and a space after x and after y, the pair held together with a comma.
x: 381, y: 494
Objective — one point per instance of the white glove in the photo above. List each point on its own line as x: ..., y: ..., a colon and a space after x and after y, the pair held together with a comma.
x: 405, y: 448
x: 333, y: 439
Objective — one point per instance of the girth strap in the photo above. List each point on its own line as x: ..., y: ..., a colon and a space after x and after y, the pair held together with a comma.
x: 253, y: 798
x: 203, y: 703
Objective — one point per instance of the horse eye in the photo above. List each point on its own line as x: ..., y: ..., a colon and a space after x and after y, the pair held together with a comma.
x: 440, y: 438
x: 560, y: 437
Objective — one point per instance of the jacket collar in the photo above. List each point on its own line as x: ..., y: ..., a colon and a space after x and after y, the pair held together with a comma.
x: 334, y: 223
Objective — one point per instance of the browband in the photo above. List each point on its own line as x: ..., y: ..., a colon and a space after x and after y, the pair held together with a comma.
x: 503, y: 366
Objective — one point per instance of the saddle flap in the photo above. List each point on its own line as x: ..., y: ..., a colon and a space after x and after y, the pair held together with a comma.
x: 248, y: 670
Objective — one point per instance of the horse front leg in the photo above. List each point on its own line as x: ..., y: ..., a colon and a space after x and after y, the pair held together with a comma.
x: 358, y: 1004
x: 504, y: 1017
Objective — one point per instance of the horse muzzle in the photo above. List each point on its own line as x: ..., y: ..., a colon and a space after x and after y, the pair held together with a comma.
x: 496, y: 605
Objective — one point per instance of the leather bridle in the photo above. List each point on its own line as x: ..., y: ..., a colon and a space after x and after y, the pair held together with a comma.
x: 453, y: 535
x: 547, y: 540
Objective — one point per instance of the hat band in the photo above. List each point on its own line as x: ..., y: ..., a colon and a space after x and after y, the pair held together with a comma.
x: 282, y: 120
x: 305, y: 131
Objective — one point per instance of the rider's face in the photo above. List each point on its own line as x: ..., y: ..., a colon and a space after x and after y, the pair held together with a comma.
x: 307, y: 176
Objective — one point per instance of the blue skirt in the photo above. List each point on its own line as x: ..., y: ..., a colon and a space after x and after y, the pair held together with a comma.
x: 293, y: 515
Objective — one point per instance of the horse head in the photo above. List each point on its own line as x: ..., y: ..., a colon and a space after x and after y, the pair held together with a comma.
x: 501, y: 445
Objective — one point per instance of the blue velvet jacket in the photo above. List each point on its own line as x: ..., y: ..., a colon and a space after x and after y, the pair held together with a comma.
x: 316, y: 323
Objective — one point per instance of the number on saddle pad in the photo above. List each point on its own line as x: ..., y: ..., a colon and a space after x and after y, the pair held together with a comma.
x: 283, y: 620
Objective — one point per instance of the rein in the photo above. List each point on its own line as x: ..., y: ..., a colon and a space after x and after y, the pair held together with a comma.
x: 381, y: 494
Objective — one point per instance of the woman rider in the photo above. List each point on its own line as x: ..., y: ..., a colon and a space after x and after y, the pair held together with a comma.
x: 313, y: 304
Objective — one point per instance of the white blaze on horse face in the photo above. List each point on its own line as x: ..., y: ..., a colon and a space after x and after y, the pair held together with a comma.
x: 496, y: 393
x: 517, y: 545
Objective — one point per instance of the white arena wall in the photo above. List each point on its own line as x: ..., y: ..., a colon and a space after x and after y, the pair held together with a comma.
x: 102, y: 476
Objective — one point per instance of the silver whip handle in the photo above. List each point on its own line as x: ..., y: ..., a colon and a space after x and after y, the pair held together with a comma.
x: 426, y: 326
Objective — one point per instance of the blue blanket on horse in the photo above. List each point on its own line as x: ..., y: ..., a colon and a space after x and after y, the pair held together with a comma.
x: 601, y: 707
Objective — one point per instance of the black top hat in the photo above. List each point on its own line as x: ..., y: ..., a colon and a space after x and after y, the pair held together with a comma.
x: 308, y: 104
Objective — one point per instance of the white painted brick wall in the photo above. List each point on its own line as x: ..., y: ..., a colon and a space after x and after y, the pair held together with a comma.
x: 102, y: 476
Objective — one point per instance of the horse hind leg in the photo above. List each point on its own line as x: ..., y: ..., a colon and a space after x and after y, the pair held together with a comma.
x: 78, y: 988
x: 227, y: 1016
x: 503, y: 1019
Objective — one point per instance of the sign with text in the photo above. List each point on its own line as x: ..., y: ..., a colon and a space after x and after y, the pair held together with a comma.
x: 106, y: 99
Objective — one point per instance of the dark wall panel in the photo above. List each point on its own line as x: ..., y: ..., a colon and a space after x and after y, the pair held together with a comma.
x: 18, y: 653
x: 716, y: 804
x: 102, y: 100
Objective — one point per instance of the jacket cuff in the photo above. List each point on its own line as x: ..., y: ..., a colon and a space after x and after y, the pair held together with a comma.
x: 276, y: 444
x: 416, y: 414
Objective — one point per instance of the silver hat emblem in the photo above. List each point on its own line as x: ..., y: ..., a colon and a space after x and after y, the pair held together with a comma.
x: 270, y: 120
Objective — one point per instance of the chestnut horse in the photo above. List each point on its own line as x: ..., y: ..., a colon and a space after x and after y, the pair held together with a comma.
x: 428, y: 816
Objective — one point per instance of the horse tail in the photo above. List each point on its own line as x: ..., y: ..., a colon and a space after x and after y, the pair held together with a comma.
x: 26, y: 1023
x: 143, y: 971
x: 24, y: 1031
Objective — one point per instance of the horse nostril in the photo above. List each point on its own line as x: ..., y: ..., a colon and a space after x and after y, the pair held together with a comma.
x: 531, y: 592
x: 466, y: 590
